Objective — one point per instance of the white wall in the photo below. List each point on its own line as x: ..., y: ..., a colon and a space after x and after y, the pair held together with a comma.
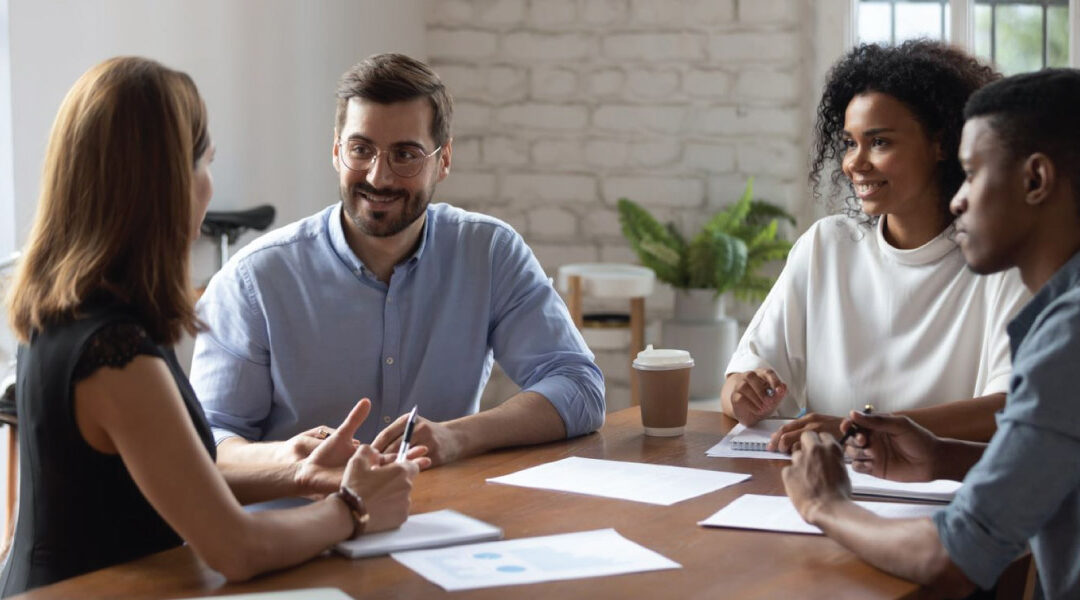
x: 266, y: 68
x: 563, y: 106
x: 7, y: 189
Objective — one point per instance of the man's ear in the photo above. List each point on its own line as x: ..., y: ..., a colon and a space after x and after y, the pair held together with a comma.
x: 444, y: 159
x: 1039, y: 178
x: 334, y: 152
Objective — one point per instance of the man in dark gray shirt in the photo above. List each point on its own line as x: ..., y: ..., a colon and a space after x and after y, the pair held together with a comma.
x: 1019, y: 206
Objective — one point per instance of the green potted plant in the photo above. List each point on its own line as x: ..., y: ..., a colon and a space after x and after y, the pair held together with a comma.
x: 725, y: 256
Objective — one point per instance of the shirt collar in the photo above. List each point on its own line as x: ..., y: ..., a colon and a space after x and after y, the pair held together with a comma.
x: 1066, y: 278
x: 341, y: 246
x: 930, y: 252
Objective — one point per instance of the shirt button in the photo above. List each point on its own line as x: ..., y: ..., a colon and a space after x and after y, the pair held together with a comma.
x: 389, y: 360
x: 388, y: 300
x: 386, y: 419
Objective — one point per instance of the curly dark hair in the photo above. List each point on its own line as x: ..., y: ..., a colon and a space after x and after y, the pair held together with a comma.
x: 933, y: 80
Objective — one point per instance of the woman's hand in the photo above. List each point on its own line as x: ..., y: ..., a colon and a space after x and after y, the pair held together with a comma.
x: 755, y: 394
x: 786, y: 439
x: 319, y: 472
x: 384, y: 486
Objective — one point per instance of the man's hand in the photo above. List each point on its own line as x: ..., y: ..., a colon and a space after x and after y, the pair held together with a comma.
x: 442, y: 441
x: 755, y: 394
x: 787, y: 437
x: 891, y: 447
x: 816, y: 478
x: 299, y: 446
x: 383, y: 485
x: 321, y: 470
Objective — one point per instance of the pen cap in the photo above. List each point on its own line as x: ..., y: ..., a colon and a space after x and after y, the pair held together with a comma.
x: 662, y: 359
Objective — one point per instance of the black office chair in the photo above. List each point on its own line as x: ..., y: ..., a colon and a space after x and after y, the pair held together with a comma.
x: 228, y: 225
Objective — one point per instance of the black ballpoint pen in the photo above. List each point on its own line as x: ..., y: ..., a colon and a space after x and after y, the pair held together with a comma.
x: 855, y: 428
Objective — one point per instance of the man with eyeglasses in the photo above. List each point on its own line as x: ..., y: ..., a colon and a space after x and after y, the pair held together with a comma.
x: 389, y: 297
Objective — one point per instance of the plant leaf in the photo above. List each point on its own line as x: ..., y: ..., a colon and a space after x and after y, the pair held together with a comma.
x: 761, y: 212
x: 653, y: 242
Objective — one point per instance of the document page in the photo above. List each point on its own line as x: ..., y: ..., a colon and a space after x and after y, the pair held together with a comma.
x: 941, y: 490
x: 425, y: 530
x: 301, y: 594
x: 760, y: 433
x: 640, y: 482
x: 777, y: 513
x: 532, y: 560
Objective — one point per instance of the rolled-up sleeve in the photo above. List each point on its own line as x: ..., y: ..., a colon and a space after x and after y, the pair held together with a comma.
x: 230, y: 368
x: 535, y: 342
x: 1007, y: 498
x: 1030, y: 469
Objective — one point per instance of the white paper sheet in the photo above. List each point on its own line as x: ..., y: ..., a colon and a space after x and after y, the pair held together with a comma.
x: 762, y: 430
x: 425, y: 530
x: 654, y: 484
x: 532, y: 560
x: 777, y: 513
x: 301, y: 594
x: 941, y: 490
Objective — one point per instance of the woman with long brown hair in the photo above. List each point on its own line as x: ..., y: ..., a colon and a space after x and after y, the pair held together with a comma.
x: 117, y: 458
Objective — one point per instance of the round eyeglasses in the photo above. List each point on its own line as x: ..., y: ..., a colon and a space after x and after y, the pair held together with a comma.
x: 404, y: 160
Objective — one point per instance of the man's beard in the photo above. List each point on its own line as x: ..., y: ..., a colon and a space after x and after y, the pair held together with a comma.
x: 388, y: 222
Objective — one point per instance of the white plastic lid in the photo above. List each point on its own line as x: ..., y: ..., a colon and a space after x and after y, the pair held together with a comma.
x: 662, y: 359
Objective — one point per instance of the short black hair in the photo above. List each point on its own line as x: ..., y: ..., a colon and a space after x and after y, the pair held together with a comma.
x: 931, y: 79
x: 1036, y: 112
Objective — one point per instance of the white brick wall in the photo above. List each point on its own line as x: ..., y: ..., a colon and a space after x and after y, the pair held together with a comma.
x: 563, y: 106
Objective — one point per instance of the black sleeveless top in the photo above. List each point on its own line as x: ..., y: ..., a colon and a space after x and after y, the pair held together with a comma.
x: 79, y: 509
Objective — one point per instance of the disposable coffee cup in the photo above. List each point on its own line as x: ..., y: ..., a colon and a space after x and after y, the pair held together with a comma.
x: 664, y: 384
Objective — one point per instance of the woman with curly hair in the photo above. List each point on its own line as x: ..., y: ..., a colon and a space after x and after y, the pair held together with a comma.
x: 875, y: 305
x: 117, y: 456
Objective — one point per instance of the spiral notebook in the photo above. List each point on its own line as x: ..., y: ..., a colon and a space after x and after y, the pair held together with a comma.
x: 426, y: 530
x: 757, y: 437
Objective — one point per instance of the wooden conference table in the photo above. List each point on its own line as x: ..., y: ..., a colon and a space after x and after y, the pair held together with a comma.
x: 717, y: 563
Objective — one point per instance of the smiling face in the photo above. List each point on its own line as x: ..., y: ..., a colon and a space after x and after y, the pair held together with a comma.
x: 992, y: 219
x: 378, y: 202
x: 891, y: 161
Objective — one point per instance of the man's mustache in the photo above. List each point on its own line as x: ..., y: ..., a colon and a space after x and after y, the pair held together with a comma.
x: 367, y: 188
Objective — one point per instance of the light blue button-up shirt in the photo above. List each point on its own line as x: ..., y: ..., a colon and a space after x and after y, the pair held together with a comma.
x: 299, y: 330
x: 1026, y: 487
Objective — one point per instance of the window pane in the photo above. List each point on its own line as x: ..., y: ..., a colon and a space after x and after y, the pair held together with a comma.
x: 1057, y: 25
x: 918, y: 20
x: 874, y: 22
x: 982, y: 30
x: 1019, y: 38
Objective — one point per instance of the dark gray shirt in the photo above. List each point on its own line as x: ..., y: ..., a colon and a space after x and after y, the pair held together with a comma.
x: 1026, y: 487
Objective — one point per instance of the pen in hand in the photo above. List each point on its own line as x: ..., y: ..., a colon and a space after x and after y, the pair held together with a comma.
x: 855, y: 428
x: 406, y: 438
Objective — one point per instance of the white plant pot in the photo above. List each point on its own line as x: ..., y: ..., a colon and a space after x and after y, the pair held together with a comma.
x: 701, y: 328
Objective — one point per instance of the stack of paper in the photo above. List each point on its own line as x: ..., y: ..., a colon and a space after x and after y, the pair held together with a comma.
x: 426, y: 530
x: 743, y: 436
x: 532, y: 560
x: 777, y: 513
x: 941, y: 490
x: 654, y: 484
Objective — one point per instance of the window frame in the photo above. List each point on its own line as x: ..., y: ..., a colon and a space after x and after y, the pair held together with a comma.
x: 962, y: 26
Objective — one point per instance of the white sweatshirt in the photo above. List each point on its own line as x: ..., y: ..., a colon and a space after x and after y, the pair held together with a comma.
x: 853, y: 320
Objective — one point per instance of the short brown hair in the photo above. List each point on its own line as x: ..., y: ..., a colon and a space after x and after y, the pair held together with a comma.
x: 389, y: 78
x: 115, y: 210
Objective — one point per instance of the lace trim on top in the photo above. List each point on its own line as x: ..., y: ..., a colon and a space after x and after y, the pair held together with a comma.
x: 114, y: 345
